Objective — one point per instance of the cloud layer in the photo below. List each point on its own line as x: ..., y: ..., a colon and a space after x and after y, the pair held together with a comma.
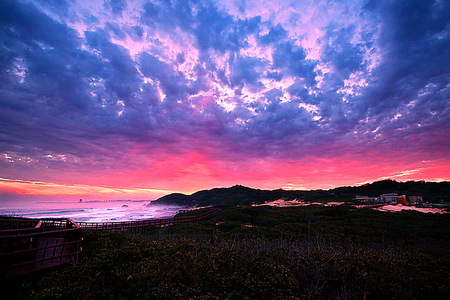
x: 187, y: 94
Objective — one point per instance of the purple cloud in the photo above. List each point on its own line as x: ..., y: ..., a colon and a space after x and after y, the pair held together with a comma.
x: 81, y: 79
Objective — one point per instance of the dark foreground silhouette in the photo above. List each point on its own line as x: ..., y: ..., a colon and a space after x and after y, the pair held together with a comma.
x: 263, y: 253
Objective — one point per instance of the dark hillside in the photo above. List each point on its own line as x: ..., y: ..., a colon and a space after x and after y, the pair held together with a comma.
x: 236, y: 195
x: 241, y: 195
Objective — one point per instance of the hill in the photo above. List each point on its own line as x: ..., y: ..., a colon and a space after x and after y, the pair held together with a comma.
x: 241, y: 195
x: 236, y: 195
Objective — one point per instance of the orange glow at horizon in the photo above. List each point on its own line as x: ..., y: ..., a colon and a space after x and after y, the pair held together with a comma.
x: 268, y: 95
x: 27, y: 187
x: 191, y: 172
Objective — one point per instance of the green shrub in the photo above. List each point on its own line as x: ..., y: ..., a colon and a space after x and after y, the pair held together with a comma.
x: 306, y: 255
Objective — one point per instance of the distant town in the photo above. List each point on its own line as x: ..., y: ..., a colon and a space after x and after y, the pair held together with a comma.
x: 392, y: 198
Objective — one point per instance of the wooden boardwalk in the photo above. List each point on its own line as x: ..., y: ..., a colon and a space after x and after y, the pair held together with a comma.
x: 141, y: 225
x: 29, y: 245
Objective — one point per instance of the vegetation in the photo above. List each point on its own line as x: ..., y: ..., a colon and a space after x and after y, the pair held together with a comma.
x: 241, y: 195
x: 264, y: 253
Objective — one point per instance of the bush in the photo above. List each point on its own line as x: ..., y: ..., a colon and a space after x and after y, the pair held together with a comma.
x: 319, y: 254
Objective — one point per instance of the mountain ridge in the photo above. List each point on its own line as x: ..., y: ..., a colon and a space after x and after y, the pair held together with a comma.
x: 242, y: 195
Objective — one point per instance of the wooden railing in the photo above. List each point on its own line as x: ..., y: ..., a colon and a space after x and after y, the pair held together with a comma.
x: 30, y: 245
x: 50, y: 243
x: 133, y: 225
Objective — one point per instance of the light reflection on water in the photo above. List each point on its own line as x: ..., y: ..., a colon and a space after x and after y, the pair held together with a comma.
x: 89, y: 211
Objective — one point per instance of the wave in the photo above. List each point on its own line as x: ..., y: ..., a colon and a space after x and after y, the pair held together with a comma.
x: 106, y: 213
x: 49, y: 212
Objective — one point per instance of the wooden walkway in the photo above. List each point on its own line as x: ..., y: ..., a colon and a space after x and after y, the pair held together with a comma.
x: 140, y: 225
x: 29, y: 245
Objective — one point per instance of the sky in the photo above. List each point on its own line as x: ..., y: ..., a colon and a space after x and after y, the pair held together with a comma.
x: 122, y: 99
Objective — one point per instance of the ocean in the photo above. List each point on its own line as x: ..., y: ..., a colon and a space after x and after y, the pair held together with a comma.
x: 89, y: 211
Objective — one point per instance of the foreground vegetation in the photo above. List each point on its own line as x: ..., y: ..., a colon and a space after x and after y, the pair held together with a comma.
x: 263, y: 253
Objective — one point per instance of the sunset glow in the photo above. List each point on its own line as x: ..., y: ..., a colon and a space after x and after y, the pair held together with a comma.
x: 122, y: 99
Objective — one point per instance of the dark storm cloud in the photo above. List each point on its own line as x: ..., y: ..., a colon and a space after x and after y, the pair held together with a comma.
x: 27, y: 24
x: 212, y: 28
x: 292, y: 59
x: 116, y: 6
x: 120, y: 71
x: 246, y: 70
x: 417, y: 40
x: 171, y: 81
x: 52, y: 110
x: 116, y: 31
x: 344, y: 56
x: 416, y: 69
x: 78, y: 89
x: 276, y: 34
x: 58, y: 7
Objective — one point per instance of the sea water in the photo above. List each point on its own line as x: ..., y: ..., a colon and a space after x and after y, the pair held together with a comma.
x: 89, y: 211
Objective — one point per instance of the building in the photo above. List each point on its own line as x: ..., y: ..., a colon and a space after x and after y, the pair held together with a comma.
x: 401, y: 199
x: 362, y: 198
x: 374, y: 199
x: 415, y: 199
x: 389, y: 198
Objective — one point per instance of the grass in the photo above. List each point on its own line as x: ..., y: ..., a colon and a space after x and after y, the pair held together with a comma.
x: 263, y: 253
